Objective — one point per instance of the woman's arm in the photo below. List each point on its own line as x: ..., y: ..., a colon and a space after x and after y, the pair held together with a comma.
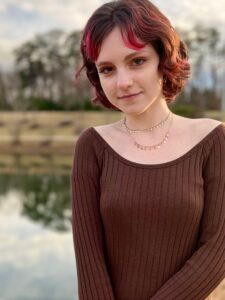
x: 93, y: 278
x: 206, y: 268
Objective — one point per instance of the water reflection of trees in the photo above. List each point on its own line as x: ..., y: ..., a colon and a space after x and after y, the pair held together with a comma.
x: 45, y: 198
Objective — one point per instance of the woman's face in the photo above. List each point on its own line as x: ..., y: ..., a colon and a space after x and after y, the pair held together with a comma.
x: 129, y: 78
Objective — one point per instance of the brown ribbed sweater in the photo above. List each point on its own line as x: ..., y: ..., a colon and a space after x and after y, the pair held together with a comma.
x: 148, y: 231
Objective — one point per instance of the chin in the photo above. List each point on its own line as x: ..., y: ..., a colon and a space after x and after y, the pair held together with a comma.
x: 132, y: 112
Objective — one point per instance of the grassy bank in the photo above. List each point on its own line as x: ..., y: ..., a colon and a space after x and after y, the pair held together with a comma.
x: 46, y: 132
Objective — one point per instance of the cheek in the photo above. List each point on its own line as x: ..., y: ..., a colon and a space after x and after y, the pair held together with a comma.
x: 155, y: 79
x: 107, y: 85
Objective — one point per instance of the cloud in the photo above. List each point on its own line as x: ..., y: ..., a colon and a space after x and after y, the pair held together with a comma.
x: 2, y: 7
x: 187, y: 12
x: 38, y: 263
x: 21, y: 20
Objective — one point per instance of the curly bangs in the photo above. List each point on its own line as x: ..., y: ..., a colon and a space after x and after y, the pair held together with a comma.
x: 137, y: 20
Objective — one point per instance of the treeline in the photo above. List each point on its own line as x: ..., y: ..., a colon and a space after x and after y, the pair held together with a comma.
x: 44, y: 74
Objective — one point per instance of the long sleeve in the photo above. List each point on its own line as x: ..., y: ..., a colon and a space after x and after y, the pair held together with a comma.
x: 205, y: 269
x: 88, y: 234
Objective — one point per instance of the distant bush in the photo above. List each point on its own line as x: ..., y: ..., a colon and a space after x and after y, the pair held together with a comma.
x: 4, y: 106
x: 84, y: 104
x: 43, y: 104
x: 185, y: 110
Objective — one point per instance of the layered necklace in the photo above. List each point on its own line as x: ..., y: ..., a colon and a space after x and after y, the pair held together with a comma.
x: 151, y: 147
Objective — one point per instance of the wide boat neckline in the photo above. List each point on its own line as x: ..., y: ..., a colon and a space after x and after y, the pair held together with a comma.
x: 158, y: 165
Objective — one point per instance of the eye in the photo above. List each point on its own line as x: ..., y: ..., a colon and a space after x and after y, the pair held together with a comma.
x: 105, y: 70
x: 139, y: 61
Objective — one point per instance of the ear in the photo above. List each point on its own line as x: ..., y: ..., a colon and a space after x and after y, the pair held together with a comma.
x: 161, y: 77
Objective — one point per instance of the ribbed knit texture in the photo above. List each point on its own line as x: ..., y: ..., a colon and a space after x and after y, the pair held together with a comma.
x: 148, y: 231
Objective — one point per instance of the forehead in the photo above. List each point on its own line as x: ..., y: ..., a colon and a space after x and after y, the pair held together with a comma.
x: 113, y: 46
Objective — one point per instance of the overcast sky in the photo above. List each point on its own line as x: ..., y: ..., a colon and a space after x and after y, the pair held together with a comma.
x: 22, y: 19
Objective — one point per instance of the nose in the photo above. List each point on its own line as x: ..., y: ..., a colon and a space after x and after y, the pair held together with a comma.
x: 124, y: 80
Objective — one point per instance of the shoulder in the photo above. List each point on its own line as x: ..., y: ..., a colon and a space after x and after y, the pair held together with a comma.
x: 200, y: 123
x: 213, y: 134
x: 85, y: 136
x: 86, y: 141
x: 214, y: 148
x: 104, y: 128
x: 205, y: 126
x: 207, y: 122
x: 88, y: 151
x: 198, y: 129
x: 108, y: 132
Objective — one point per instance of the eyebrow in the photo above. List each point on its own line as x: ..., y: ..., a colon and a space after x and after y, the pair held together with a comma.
x: 129, y: 56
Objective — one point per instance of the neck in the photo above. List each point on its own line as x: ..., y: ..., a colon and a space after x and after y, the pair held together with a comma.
x: 149, y: 118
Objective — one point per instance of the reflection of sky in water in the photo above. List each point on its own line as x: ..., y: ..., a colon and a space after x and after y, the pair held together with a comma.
x: 35, y: 263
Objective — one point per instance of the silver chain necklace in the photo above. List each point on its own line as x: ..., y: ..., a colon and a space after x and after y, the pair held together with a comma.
x: 147, y: 129
x: 156, y: 146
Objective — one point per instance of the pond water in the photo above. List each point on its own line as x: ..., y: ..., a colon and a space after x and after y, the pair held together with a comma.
x: 37, y: 260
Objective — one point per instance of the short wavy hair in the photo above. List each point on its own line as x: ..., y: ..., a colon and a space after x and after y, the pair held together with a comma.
x: 137, y: 19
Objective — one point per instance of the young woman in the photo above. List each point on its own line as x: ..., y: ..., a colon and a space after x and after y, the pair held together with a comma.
x: 148, y: 191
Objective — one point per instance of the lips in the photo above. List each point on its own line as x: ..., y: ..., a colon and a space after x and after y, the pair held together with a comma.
x: 129, y: 96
